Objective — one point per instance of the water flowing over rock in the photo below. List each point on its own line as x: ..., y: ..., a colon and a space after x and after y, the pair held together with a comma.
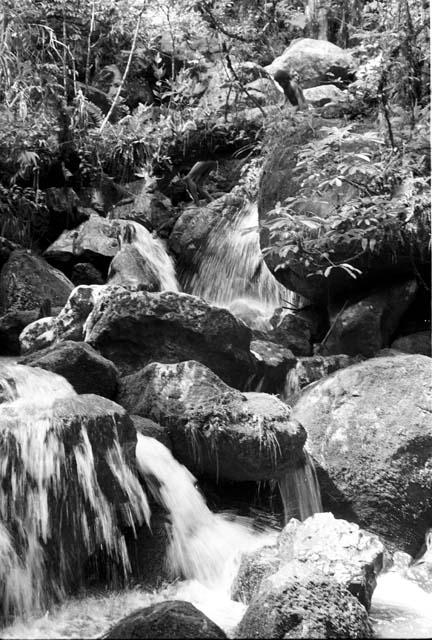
x: 142, y: 261
x: 169, y: 619
x: 370, y: 432
x: 273, y: 364
x: 27, y: 281
x: 134, y: 328
x: 82, y: 366
x: 215, y: 429
x: 65, y: 474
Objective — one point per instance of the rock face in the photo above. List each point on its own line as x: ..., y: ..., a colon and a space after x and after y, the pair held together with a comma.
x: 419, y: 342
x: 215, y: 430
x: 27, y: 281
x: 135, y: 328
x: 95, y: 240
x: 316, y: 608
x: 292, y: 331
x: 370, y: 431
x: 368, y: 325
x: 82, y: 366
x: 169, y: 619
x: 319, y: 546
x: 316, y: 61
x: 130, y: 268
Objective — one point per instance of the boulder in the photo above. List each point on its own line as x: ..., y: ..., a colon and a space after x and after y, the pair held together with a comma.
x: 215, y: 430
x: 419, y: 342
x: 370, y: 432
x: 273, y: 364
x: 266, y: 91
x: 11, y: 325
x: 86, y: 273
x: 325, y: 93
x: 151, y: 429
x: 292, y: 331
x: 82, y: 366
x: 130, y: 268
x: 135, y: 328
x: 152, y: 209
x: 315, y: 608
x: 6, y: 248
x: 368, y: 325
x: 27, y: 281
x: 316, y: 61
x: 309, y: 370
x: 378, y: 267
x: 169, y: 619
x: 95, y: 241
x: 254, y: 567
x: 67, y: 325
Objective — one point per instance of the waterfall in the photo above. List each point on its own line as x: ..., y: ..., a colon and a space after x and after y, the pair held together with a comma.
x: 300, y: 491
x: 231, y: 272
x: 153, y: 250
x: 53, y: 513
x: 203, y: 545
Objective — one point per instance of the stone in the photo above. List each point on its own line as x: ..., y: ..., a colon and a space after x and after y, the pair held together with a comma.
x: 273, y: 364
x: 151, y: 208
x: 315, y: 608
x: 419, y: 342
x: 292, y: 331
x: 254, y: 568
x: 316, y: 61
x: 266, y: 91
x: 323, y: 94
x: 95, y: 241
x: 37, y: 335
x: 130, y: 268
x: 135, y: 328
x: 86, y: 273
x: 368, y: 325
x: 11, y: 325
x: 169, y: 619
x: 370, y: 432
x: 215, y: 430
x: 151, y: 429
x: 27, y: 281
x: 333, y: 548
x: 309, y: 370
x: 80, y: 364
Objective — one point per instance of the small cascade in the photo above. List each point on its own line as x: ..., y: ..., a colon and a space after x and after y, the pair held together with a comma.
x: 203, y: 545
x: 300, y: 491
x: 232, y: 273
x: 53, y: 513
x: 153, y: 251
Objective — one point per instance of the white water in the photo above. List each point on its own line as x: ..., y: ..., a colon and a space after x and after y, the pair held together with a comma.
x: 300, y: 492
x: 231, y: 272
x: 39, y: 479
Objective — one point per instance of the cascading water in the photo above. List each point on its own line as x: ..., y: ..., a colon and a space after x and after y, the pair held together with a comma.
x: 300, y: 491
x: 51, y: 504
x: 231, y: 271
x: 153, y: 250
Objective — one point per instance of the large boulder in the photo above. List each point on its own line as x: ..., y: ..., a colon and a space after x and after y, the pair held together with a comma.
x: 169, y: 619
x: 319, y: 96
x: 394, y: 260
x: 130, y: 268
x: 292, y: 331
x: 368, y: 325
x: 316, y: 61
x: 321, y: 545
x: 95, y: 241
x: 27, y: 281
x: 370, y: 431
x: 11, y: 326
x: 419, y: 342
x: 135, y: 328
x: 315, y: 608
x: 215, y: 430
x: 80, y: 364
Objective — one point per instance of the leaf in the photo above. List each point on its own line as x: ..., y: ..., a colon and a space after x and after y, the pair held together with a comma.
x: 364, y: 244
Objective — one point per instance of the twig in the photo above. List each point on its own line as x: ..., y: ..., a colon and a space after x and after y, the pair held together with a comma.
x: 120, y: 88
x: 92, y: 21
x: 249, y: 95
x: 326, y: 337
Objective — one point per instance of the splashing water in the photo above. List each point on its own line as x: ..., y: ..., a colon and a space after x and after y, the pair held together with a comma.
x: 51, y: 504
x: 231, y: 271
x: 300, y: 491
x: 154, y: 252
x: 204, y: 546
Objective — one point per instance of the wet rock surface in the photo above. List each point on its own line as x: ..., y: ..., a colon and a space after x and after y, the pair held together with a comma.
x: 215, y: 430
x: 370, y: 431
